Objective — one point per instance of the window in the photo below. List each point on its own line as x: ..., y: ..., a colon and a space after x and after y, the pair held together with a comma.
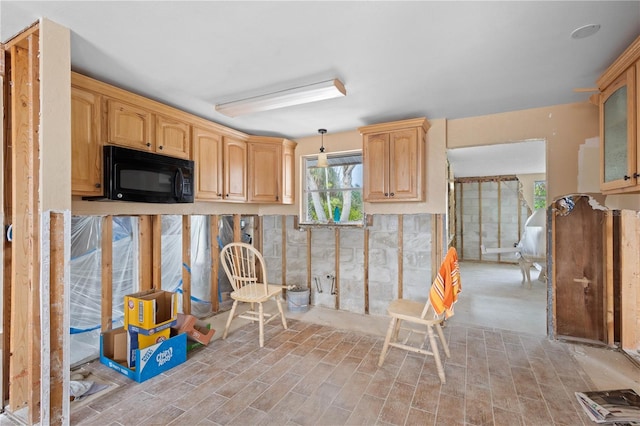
x: 333, y: 194
x: 539, y: 194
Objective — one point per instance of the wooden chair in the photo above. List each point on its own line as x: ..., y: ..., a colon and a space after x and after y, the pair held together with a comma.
x: 424, y: 317
x: 245, y: 268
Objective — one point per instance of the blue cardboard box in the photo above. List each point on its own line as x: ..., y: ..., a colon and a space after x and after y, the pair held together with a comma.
x: 150, y: 361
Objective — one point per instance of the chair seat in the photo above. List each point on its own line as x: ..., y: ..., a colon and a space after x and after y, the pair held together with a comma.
x: 411, y: 311
x: 255, y: 293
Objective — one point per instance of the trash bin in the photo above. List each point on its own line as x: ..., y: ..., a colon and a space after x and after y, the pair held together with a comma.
x: 298, y: 299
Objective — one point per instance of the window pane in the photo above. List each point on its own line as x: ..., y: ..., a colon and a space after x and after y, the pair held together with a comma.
x: 329, y: 206
x: 335, y: 177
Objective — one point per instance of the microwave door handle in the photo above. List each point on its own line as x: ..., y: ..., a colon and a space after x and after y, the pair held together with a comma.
x: 178, y: 185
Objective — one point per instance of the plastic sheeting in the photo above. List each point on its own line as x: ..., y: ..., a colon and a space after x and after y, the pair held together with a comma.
x: 172, y: 264
x: 86, y: 271
x: 86, y: 282
x: 533, y: 245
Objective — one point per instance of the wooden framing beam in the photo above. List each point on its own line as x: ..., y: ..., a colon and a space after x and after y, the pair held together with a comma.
x: 214, y: 230
x: 237, y: 229
x: 630, y: 270
x: 58, y: 389
x: 156, y: 238
x: 309, y: 236
x: 400, y: 255
x: 337, y: 274
x: 552, y: 323
x: 25, y: 326
x: 145, y: 253
x: 366, y: 270
x: 186, y: 264
x: 257, y: 233
x: 608, y: 279
x: 5, y: 129
x: 283, y: 258
x: 107, y: 272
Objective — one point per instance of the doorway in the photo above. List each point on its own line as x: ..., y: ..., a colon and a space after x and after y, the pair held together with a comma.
x: 494, y: 196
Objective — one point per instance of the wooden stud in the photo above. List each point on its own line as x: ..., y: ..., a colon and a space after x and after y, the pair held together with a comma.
x: 630, y: 270
x: 480, y: 220
x: 145, y: 253
x: 400, y: 255
x: 7, y: 199
x: 337, y: 262
x: 283, y: 258
x: 258, y: 226
x: 57, y: 330
x: 237, y: 229
x: 25, y: 342
x: 499, y: 218
x: 156, y: 249
x: 366, y: 270
x: 309, y: 261
x: 107, y: 272
x: 608, y: 279
x: 461, y: 222
x: 552, y: 323
x: 186, y: 264
x: 214, y: 230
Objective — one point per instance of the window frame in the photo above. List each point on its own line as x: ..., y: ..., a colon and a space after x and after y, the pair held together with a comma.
x: 304, y: 190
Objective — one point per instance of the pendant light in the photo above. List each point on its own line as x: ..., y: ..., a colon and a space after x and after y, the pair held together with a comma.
x: 322, y: 157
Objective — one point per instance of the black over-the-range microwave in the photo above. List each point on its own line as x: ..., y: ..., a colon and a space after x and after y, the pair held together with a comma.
x: 145, y: 177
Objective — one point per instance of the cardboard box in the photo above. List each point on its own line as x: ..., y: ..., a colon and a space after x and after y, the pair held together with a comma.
x: 151, y: 361
x: 195, y: 329
x: 137, y: 340
x: 150, y: 311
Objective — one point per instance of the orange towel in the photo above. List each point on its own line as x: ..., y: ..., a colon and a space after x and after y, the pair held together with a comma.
x: 445, y: 288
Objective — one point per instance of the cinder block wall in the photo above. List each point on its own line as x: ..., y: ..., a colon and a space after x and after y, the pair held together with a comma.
x: 383, y: 260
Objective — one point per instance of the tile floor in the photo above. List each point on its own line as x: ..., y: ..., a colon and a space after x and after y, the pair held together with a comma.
x: 312, y: 374
x: 323, y: 370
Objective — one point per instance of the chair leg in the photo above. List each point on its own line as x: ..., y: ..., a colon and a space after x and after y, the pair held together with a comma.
x: 231, y: 313
x: 445, y: 345
x: 261, y: 322
x: 387, y: 339
x: 436, y: 354
x: 284, y: 320
x: 396, y: 330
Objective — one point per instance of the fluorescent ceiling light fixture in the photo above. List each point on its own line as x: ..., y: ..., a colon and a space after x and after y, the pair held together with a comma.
x: 284, y: 98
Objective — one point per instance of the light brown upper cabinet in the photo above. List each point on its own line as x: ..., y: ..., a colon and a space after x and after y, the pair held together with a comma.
x: 271, y: 170
x: 207, y: 151
x: 235, y: 170
x: 139, y: 127
x: 393, y: 160
x: 619, y: 118
x: 86, y: 148
x: 129, y: 125
x: 221, y: 165
x: 173, y: 137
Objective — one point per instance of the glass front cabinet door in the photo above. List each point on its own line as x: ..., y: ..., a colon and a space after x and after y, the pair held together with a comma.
x: 619, y: 168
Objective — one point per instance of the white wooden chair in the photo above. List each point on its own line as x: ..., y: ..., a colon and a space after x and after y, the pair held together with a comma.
x: 422, y: 319
x: 245, y: 268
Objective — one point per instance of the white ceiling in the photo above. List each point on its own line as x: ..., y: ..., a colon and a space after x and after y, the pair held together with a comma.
x: 397, y: 59
x: 526, y: 157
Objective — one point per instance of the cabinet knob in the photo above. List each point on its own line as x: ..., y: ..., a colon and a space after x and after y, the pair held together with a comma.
x: 219, y: 195
x: 227, y: 195
x: 627, y: 177
x: 393, y: 194
x: 160, y: 147
x: 386, y: 194
x: 97, y: 185
x: 148, y: 143
x: 636, y: 175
